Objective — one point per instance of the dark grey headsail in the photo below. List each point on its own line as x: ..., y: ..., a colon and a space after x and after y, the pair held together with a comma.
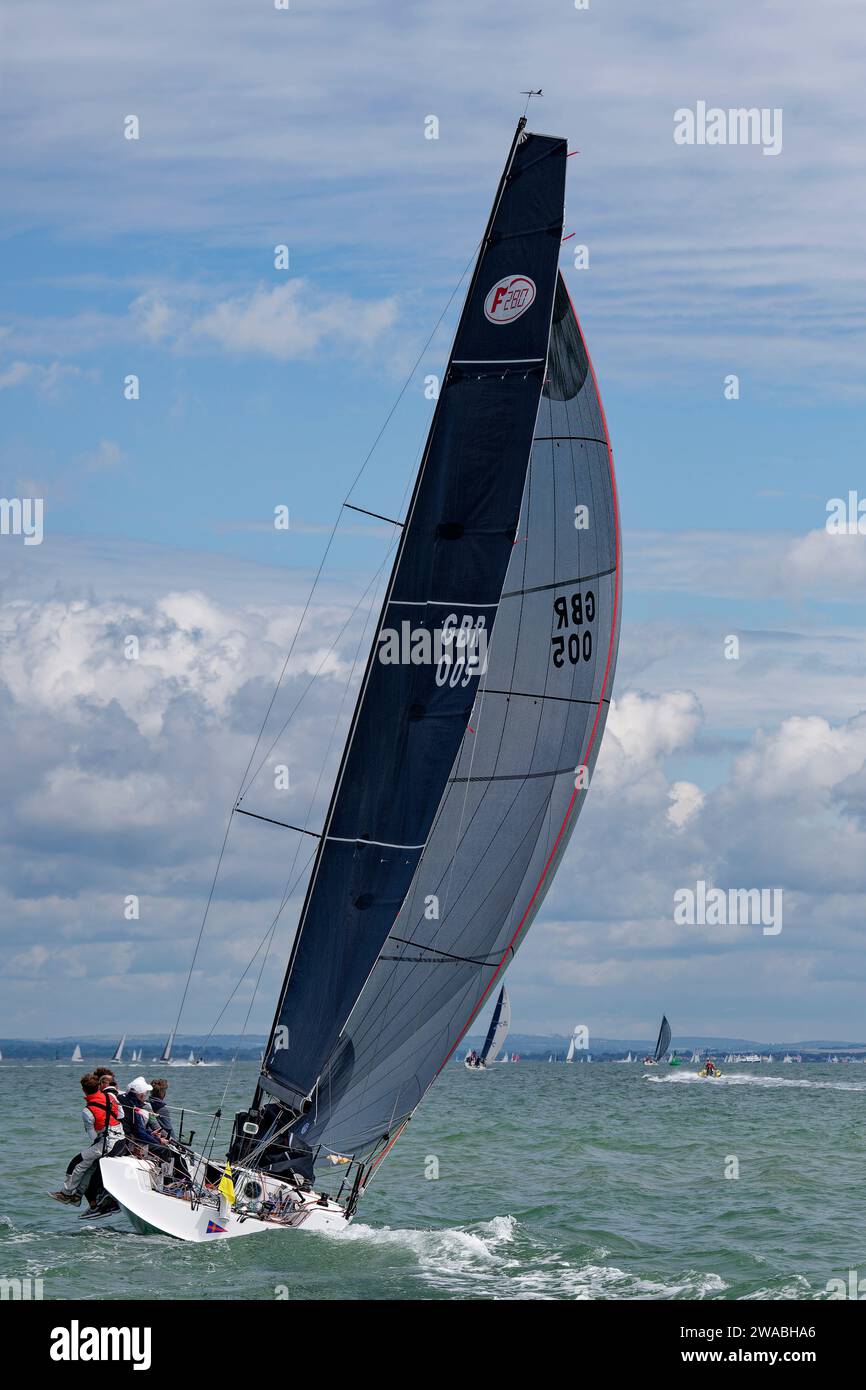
x: 664, y: 1040
x: 518, y: 781
x: 456, y: 547
x: 498, y: 1030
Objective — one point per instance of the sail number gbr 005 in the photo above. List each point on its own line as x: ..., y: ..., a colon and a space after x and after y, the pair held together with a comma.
x: 572, y: 639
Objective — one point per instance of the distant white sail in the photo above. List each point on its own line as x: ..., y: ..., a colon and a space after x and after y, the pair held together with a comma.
x: 118, y: 1051
x: 569, y: 1056
x: 76, y: 1054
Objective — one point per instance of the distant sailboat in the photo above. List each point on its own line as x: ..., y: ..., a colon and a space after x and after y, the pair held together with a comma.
x: 118, y: 1051
x: 662, y: 1044
x: 696, y: 1054
x: 572, y: 1044
x: 496, y: 1035
x: 166, y: 1051
x: 76, y: 1054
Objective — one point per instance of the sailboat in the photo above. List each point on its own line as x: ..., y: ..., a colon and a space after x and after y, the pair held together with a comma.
x: 165, y: 1055
x: 118, y: 1051
x: 496, y: 1035
x: 662, y: 1044
x: 76, y: 1053
x: 457, y: 780
x: 573, y: 1043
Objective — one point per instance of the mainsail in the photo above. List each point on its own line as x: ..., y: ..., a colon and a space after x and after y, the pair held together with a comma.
x: 457, y: 796
x: 664, y: 1039
x: 118, y: 1051
x: 498, y: 1030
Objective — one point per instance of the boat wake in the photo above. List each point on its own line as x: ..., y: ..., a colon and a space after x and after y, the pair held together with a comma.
x: 741, y: 1078
x: 498, y: 1260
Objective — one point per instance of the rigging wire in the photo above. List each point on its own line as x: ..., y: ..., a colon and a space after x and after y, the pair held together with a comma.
x: 269, y: 935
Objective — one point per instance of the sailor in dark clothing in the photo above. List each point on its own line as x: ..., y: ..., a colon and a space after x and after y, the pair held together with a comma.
x: 137, y: 1115
x: 136, y: 1112
x: 159, y: 1106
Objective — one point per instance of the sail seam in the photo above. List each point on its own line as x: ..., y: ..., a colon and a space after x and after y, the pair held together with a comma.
x: 562, y: 699
x: 440, y: 603
x: 560, y: 583
x: 360, y: 840
x: 586, y: 438
x: 514, y: 776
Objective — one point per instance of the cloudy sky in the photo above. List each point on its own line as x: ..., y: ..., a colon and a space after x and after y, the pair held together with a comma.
x: 262, y: 388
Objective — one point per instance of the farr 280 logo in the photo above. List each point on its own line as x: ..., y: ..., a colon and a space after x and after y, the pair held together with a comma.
x: 509, y: 298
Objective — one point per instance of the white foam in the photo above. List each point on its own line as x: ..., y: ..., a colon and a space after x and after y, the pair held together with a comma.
x: 743, y: 1078
x: 498, y: 1260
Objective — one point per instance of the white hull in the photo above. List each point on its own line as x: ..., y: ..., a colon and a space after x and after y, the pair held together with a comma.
x: 131, y: 1182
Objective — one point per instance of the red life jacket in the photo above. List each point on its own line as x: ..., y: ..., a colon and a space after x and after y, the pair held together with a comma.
x: 102, y: 1106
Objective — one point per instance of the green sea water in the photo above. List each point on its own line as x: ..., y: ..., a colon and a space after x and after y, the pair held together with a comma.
x: 554, y: 1182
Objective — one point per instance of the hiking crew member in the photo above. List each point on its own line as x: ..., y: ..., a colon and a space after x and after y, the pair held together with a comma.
x: 103, y: 1127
